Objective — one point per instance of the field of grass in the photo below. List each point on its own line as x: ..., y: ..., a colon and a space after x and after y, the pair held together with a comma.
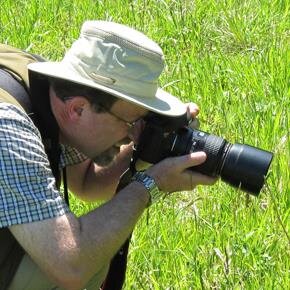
x: 232, y: 58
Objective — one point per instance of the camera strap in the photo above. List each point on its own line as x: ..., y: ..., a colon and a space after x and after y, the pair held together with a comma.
x: 118, y: 266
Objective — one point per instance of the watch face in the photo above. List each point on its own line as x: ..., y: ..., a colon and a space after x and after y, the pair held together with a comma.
x: 150, y: 185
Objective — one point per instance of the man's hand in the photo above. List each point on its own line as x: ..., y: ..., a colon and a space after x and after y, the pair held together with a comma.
x: 172, y: 174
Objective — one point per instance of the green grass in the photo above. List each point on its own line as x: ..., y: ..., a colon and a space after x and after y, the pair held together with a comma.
x: 232, y: 58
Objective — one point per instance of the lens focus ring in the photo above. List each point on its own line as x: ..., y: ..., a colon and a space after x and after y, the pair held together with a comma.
x: 213, y: 147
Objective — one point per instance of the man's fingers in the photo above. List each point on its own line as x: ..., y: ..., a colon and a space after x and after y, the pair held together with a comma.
x: 173, y: 174
x: 189, y: 160
x: 192, y: 110
x: 127, y: 147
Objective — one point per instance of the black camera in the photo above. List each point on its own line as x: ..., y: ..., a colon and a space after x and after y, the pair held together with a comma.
x: 239, y: 165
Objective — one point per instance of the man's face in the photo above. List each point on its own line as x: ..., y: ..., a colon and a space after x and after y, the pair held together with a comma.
x: 100, y: 135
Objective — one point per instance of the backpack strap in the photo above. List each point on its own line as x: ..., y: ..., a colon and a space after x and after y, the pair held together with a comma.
x: 16, y: 90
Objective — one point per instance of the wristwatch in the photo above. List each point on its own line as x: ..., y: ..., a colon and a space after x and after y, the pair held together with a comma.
x: 150, y: 185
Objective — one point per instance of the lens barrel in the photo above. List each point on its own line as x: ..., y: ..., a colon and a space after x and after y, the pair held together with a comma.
x: 239, y: 165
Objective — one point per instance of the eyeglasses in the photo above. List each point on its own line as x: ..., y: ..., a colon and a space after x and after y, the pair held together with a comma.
x: 130, y: 125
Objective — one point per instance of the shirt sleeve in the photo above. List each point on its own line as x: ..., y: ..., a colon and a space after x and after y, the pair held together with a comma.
x: 28, y: 191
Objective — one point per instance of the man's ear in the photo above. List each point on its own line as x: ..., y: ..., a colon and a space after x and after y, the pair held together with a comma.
x: 75, y: 107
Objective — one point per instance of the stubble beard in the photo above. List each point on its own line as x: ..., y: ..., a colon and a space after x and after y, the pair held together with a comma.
x: 106, y: 158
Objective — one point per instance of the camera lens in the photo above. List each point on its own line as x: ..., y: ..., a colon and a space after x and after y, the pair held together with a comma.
x: 239, y: 165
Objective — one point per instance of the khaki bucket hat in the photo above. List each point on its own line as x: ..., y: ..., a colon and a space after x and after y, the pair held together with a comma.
x: 118, y: 60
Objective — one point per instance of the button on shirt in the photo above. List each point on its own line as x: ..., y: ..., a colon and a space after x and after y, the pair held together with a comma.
x: 27, y: 186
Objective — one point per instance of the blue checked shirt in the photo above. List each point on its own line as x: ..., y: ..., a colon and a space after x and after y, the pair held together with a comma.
x: 27, y: 187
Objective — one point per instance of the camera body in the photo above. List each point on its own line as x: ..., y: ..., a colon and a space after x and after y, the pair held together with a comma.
x: 240, y: 165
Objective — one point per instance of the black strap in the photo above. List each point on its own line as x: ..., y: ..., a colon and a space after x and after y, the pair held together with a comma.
x: 10, y: 257
x: 15, y: 89
x: 118, y: 266
x: 65, y: 187
x: 117, y: 271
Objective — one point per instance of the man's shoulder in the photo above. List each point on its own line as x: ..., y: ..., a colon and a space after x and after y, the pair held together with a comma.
x: 14, y: 119
x: 14, y: 53
x: 7, y: 48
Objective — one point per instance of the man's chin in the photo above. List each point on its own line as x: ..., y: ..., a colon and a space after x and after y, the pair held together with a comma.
x: 105, y: 158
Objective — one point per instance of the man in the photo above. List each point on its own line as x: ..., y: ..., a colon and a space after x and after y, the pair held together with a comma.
x: 94, y: 99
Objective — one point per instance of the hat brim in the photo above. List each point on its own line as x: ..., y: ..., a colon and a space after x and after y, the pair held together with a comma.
x: 163, y: 103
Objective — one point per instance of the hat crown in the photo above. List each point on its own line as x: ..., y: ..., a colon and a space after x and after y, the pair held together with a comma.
x: 119, y: 56
x: 124, y: 35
